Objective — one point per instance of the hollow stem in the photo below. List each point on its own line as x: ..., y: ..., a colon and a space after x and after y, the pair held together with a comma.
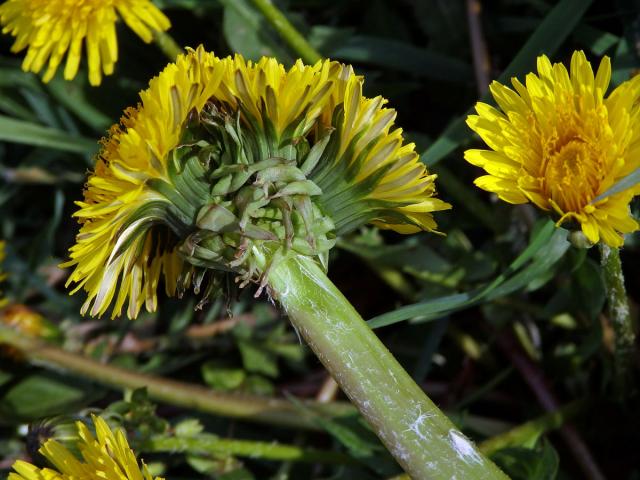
x: 421, y: 438
x: 211, y: 445
x: 271, y: 411
x: 167, y: 44
x: 287, y: 31
x: 619, y: 316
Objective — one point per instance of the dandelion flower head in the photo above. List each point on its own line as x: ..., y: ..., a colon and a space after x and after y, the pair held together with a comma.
x: 560, y: 142
x: 106, y: 455
x: 227, y: 162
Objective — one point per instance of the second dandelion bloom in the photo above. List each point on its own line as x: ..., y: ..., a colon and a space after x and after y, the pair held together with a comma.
x: 105, y: 455
x: 53, y: 29
x: 560, y: 142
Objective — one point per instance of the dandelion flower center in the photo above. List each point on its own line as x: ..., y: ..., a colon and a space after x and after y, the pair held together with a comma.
x: 571, y: 176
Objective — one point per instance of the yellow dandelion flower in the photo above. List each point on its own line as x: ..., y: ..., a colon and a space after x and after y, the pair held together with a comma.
x: 27, y: 321
x: 51, y: 29
x: 226, y: 160
x: 107, y: 455
x: 558, y: 141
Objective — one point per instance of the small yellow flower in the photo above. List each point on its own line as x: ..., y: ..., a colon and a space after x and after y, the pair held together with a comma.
x: 51, y: 28
x: 252, y: 156
x: 25, y: 320
x: 106, y: 456
x: 559, y: 142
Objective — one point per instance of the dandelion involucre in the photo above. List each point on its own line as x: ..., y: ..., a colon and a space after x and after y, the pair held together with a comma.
x: 51, y: 29
x: 559, y: 142
x: 106, y: 456
x: 228, y: 165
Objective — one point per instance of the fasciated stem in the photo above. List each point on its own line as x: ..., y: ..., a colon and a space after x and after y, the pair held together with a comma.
x: 619, y: 315
x: 270, y: 411
x: 287, y: 31
x: 420, y: 437
x: 206, y: 444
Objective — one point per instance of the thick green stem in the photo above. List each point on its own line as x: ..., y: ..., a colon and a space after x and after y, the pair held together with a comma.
x: 287, y: 31
x: 245, y: 407
x: 167, y: 44
x: 211, y: 445
x: 619, y: 315
x: 523, y: 433
x: 421, y: 438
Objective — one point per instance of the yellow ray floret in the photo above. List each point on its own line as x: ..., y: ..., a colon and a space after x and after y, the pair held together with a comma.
x: 106, y: 455
x: 303, y: 104
x: 51, y: 29
x: 558, y: 141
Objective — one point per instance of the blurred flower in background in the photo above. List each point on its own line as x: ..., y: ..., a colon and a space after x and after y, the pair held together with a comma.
x: 51, y: 29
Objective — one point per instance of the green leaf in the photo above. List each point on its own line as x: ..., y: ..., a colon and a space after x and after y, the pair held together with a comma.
x: 188, y: 428
x: 621, y: 185
x: 259, y: 385
x: 588, y: 288
x: 40, y: 395
x: 18, y: 131
x: 544, y: 259
x: 540, y: 463
x: 73, y: 98
x: 549, y: 35
x: 423, y: 309
x: 548, y: 245
x: 257, y: 359
x: 222, y: 378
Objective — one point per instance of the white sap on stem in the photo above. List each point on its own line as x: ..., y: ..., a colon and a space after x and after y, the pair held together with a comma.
x: 421, y: 438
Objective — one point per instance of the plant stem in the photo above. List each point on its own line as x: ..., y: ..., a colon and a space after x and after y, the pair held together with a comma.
x: 271, y: 411
x: 205, y: 444
x: 167, y: 44
x: 522, y: 433
x: 619, y: 316
x: 287, y: 31
x: 421, y: 438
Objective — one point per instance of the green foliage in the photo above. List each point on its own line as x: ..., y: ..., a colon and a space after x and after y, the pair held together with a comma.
x: 538, y: 463
x: 446, y: 303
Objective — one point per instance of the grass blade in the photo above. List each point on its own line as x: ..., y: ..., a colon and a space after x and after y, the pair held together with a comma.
x: 432, y: 309
x: 18, y: 131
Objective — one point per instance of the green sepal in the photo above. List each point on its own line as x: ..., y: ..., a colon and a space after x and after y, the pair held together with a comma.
x: 216, y: 218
